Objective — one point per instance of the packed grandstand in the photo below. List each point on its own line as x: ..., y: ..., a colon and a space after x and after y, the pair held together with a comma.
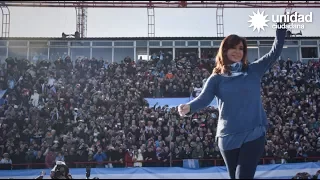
x: 93, y: 112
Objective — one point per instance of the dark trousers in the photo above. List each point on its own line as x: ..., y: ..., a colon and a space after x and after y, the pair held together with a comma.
x: 242, y: 162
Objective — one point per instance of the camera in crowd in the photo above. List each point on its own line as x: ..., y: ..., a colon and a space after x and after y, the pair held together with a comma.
x: 305, y: 175
x: 60, y: 171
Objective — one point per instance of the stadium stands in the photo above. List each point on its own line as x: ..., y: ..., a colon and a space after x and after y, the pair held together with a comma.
x: 95, y: 112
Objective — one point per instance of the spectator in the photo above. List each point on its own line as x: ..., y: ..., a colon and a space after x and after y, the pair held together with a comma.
x: 100, y: 157
x: 116, y: 156
x: 196, y: 91
x: 169, y: 75
x: 50, y: 158
x: 18, y: 157
x: 39, y: 161
x: 35, y: 99
x: 128, y: 158
x: 60, y: 157
x: 197, y: 153
x: 5, y: 162
x: 29, y: 158
x: 71, y: 158
x: 176, y: 156
x: 165, y: 157
x: 6, y: 159
x: 137, y: 157
x: 187, y: 153
x: 148, y: 155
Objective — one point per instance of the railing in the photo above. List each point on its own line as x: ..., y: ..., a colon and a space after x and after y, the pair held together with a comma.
x: 152, y: 163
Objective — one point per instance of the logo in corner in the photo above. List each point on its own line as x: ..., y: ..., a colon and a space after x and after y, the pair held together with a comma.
x: 258, y: 21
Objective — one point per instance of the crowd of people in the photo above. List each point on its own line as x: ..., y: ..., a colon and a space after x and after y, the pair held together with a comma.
x: 94, y: 112
x: 305, y: 175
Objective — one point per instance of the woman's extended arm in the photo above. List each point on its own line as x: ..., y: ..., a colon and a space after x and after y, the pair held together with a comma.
x: 206, y: 96
x: 261, y: 65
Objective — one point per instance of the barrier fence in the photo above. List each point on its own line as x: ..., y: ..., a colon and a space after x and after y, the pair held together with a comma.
x: 201, y: 163
x: 272, y: 171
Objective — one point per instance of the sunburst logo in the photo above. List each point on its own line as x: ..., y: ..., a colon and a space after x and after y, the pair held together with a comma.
x: 258, y: 21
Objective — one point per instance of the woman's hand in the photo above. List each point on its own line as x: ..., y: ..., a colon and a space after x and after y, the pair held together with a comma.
x: 183, y: 109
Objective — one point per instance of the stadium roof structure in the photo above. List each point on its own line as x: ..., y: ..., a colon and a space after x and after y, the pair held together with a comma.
x: 150, y: 38
x: 82, y: 6
x: 164, y: 4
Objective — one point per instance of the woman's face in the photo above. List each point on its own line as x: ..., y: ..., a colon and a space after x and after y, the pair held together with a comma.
x: 235, y: 54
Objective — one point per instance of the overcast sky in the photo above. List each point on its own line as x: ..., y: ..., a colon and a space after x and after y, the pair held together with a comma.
x: 51, y: 22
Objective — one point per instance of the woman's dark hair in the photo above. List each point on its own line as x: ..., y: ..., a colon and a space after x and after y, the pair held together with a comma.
x: 222, y: 60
